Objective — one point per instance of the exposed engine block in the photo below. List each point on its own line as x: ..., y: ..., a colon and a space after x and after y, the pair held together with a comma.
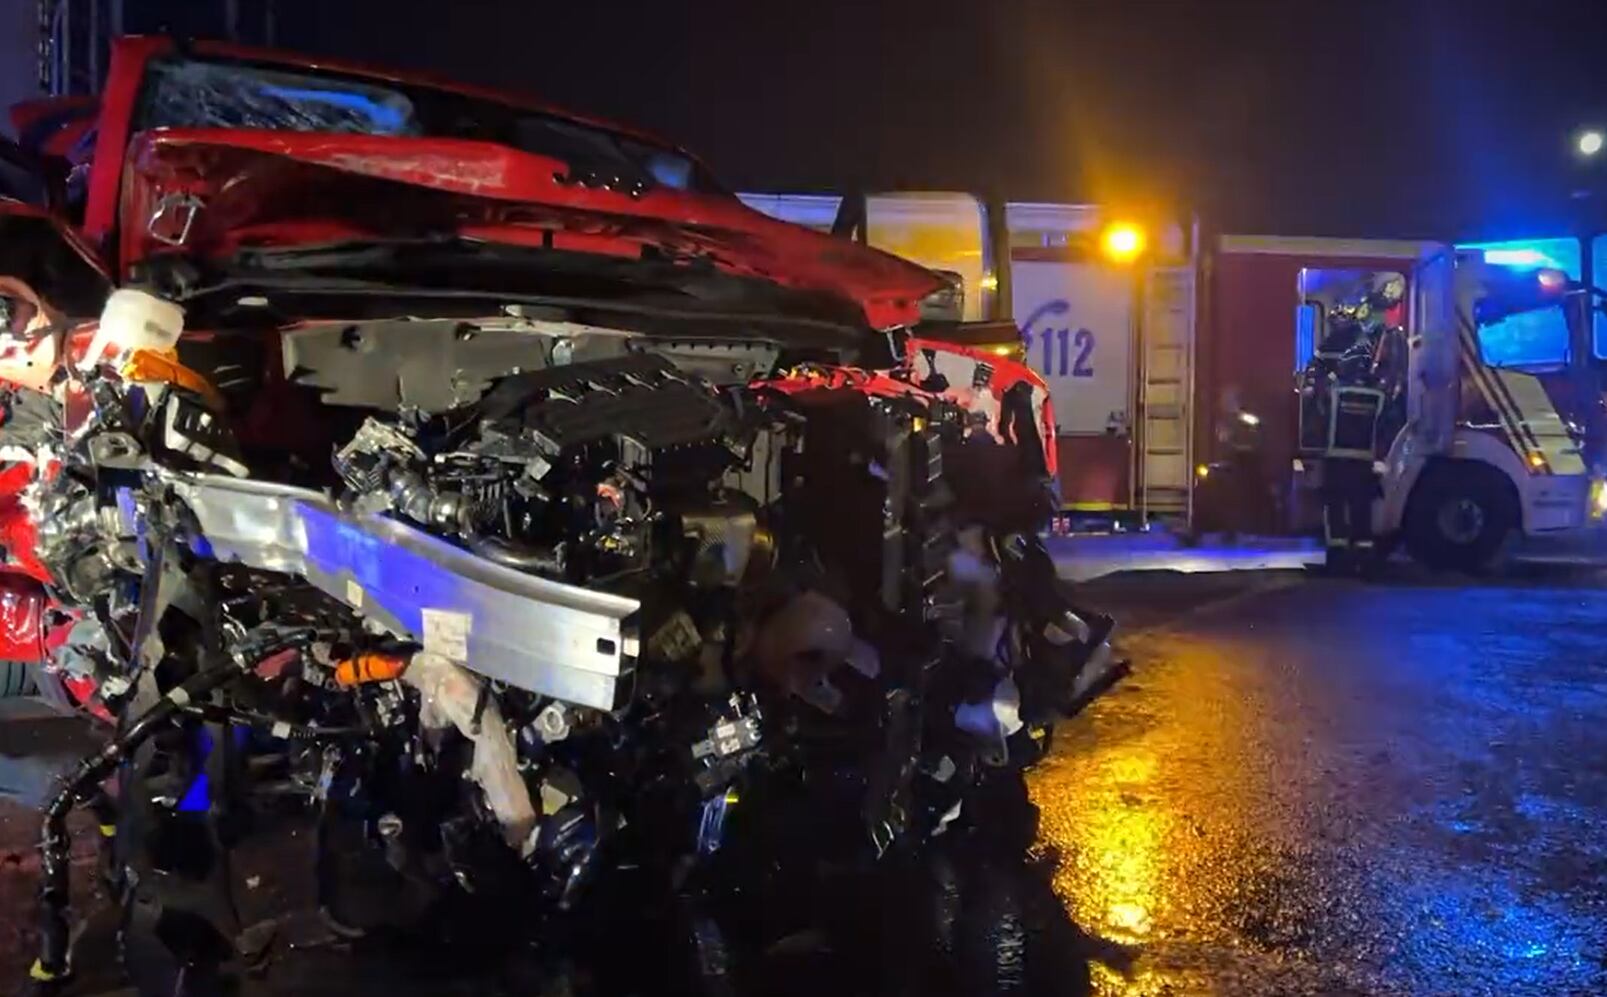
x: 574, y: 614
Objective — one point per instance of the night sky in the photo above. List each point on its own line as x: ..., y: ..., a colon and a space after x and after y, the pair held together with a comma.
x: 1426, y: 118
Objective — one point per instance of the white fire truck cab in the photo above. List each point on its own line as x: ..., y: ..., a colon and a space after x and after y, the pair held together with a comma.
x: 1500, y: 426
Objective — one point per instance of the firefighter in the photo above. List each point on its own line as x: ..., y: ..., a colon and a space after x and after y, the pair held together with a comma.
x: 1247, y: 488
x: 1355, y: 403
x: 1349, y: 483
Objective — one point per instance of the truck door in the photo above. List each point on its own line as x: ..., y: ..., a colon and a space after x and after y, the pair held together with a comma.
x: 1076, y: 313
x: 1432, y: 397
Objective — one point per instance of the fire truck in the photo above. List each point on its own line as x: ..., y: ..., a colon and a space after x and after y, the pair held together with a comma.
x: 1502, y: 427
x: 1499, y: 423
x: 1149, y: 358
x: 1102, y: 309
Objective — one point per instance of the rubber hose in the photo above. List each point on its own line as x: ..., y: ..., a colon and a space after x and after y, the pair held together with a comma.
x: 541, y: 560
x: 84, y: 785
x: 283, y: 730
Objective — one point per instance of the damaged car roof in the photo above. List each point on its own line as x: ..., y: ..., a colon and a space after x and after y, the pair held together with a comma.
x: 219, y: 147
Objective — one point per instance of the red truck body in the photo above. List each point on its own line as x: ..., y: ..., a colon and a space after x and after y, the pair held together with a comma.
x: 1245, y: 345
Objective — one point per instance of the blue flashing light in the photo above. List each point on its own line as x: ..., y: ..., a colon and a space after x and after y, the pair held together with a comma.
x: 1533, y: 254
x: 1518, y: 258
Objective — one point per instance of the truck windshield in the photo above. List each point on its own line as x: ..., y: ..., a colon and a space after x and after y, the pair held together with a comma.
x: 191, y: 93
x: 1537, y: 338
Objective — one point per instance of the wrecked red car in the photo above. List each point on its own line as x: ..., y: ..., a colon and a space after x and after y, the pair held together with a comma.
x: 491, y: 483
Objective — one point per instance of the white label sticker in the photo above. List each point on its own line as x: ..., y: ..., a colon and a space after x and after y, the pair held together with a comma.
x: 354, y: 593
x: 447, y: 633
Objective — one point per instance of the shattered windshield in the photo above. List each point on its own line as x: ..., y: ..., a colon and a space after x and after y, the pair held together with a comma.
x: 191, y: 93
x: 188, y: 94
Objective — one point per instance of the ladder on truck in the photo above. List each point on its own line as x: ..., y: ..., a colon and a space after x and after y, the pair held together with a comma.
x: 1165, y: 388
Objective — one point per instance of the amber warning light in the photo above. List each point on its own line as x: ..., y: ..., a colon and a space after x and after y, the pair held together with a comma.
x: 1122, y: 242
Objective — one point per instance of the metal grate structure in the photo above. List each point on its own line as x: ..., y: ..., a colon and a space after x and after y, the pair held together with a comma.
x: 75, y: 35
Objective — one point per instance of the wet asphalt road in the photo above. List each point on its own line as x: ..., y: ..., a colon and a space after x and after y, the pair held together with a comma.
x: 1326, y: 787
x: 1307, y: 786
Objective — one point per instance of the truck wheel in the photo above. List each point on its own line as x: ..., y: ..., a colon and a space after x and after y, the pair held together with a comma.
x: 1460, y: 517
x: 16, y: 679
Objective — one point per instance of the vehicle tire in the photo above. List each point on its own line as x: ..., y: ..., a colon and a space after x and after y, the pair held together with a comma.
x: 16, y: 679
x: 1460, y: 517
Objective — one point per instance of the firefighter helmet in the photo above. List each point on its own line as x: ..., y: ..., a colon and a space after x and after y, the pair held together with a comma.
x: 1388, y: 290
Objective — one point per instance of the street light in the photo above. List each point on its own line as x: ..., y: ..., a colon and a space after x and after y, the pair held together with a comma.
x: 1590, y: 142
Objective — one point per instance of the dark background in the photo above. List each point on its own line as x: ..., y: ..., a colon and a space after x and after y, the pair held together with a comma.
x: 1412, y: 118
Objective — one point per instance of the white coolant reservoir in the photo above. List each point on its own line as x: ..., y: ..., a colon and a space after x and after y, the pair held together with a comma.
x: 133, y: 320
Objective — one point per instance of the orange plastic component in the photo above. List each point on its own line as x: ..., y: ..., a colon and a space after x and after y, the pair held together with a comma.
x: 164, y: 366
x: 367, y: 668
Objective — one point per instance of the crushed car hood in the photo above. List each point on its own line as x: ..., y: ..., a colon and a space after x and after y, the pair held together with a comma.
x: 217, y: 192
